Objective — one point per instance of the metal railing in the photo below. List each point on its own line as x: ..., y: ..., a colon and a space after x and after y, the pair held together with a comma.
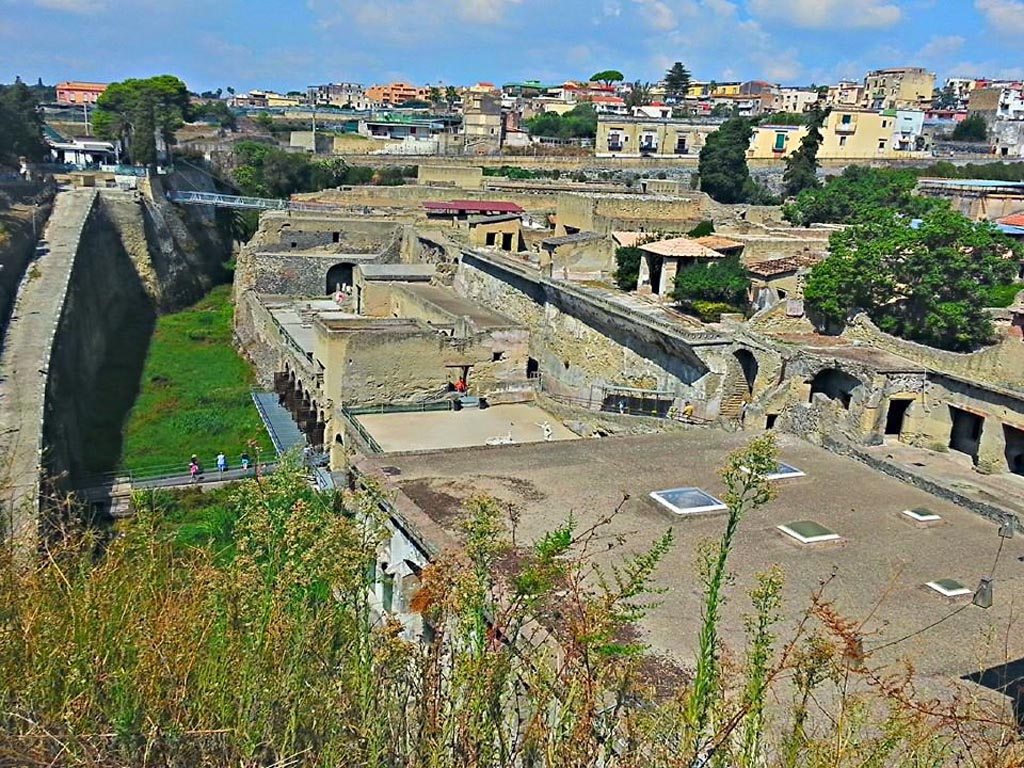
x: 254, y: 203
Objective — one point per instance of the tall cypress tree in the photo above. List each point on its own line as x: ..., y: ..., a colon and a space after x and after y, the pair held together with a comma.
x: 802, y: 164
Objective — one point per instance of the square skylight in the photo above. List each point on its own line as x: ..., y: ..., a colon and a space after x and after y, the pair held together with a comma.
x: 688, y: 501
x: 809, y: 532
x: 922, y: 515
x: 781, y: 472
x: 949, y: 587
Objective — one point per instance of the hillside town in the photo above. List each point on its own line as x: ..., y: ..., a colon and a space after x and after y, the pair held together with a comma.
x: 600, y: 422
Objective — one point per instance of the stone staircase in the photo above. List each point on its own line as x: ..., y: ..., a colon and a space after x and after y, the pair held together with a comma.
x: 735, y: 394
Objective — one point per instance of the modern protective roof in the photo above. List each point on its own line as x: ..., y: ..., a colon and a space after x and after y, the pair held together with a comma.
x: 681, y: 247
x: 629, y: 239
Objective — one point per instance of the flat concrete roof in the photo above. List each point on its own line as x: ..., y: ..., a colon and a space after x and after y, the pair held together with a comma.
x: 458, y: 306
x: 397, y: 271
x: 434, y: 430
x: 877, y: 572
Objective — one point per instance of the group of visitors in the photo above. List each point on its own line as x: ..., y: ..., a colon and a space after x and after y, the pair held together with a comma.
x: 195, y: 469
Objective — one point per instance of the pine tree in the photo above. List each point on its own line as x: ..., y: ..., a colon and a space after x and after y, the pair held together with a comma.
x: 677, y: 82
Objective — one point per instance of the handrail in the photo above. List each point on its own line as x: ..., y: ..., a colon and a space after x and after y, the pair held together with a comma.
x: 188, y: 197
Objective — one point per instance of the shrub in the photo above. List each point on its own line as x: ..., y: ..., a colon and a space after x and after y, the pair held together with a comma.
x: 710, y: 311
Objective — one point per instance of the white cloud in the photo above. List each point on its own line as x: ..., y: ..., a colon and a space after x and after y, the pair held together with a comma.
x: 820, y: 14
x: 658, y: 15
x: 393, y: 18
x: 612, y: 8
x: 940, y: 48
x: 70, y: 6
x: 1005, y: 16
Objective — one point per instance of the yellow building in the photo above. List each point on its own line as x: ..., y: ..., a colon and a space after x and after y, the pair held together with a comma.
x: 619, y: 136
x: 901, y: 88
x: 847, y: 134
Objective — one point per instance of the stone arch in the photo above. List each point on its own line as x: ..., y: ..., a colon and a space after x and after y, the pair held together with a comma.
x: 339, y: 275
x: 835, y: 385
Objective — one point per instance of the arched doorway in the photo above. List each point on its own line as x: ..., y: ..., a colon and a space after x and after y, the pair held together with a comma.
x: 835, y: 385
x: 749, y: 366
x: 337, y: 276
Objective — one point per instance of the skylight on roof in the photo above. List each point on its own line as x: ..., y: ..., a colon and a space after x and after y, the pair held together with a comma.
x: 949, y: 588
x: 781, y: 472
x: 809, y: 532
x: 922, y: 515
x: 688, y: 501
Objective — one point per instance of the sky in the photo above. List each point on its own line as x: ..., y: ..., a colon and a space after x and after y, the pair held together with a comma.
x: 287, y: 45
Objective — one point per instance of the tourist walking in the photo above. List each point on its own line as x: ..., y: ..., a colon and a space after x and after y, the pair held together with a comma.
x: 193, y: 469
x: 222, y: 462
x: 245, y: 461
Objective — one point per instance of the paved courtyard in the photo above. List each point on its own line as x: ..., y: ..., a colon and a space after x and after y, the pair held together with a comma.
x: 434, y: 430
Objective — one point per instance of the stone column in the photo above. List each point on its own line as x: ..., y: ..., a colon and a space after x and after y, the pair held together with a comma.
x: 992, y: 448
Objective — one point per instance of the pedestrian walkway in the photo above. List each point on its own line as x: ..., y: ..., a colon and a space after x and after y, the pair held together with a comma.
x: 284, y: 432
x: 25, y: 361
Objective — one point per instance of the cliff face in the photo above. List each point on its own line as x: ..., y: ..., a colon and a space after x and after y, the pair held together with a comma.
x: 177, y: 252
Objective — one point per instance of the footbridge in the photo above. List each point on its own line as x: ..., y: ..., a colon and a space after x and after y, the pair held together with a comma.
x: 220, y: 200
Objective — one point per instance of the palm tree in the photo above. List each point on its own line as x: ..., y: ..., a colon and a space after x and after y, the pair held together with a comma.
x: 451, y: 95
x: 639, y: 95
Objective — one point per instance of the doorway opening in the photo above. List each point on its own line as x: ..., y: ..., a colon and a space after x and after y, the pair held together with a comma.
x: 337, y: 276
x: 896, y: 416
x: 965, y: 434
x: 532, y: 368
x: 1014, y: 449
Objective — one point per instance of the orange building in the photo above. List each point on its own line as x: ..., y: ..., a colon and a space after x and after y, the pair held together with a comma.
x: 72, y: 92
x: 396, y: 93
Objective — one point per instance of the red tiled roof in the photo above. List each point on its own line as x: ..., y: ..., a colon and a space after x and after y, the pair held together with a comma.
x: 474, y: 206
x: 1013, y: 220
x: 780, y: 266
x: 607, y: 100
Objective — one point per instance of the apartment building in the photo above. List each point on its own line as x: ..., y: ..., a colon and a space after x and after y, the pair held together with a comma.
x: 997, y: 103
x: 845, y: 93
x: 75, y: 92
x: 396, y: 93
x: 793, y: 99
x: 852, y: 134
x: 350, y: 95
x: 899, y: 88
x: 619, y: 136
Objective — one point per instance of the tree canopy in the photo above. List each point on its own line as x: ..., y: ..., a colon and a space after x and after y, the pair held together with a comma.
x: 137, y: 112
x: 723, y: 162
x: 20, y: 124
x: 802, y: 164
x: 677, y: 82
x: 639, y: 95
x: 972, y: 128
x: 607, y: 76
x: 846, y: 198
x: 928, y: 282
x: 722, y: 282
x: 627, y: 267
x: 580, y: 122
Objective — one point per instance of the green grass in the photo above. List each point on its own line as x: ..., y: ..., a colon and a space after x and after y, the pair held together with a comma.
x: 1003, y: 295
x: 194, y: 396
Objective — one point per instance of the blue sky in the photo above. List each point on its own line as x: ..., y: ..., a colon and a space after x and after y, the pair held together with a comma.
x: 289, y: 45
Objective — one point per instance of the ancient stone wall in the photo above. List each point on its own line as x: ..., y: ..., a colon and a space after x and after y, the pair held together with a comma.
x: 98, y: 354
x: 1001, y: 364
x: 581, y: 345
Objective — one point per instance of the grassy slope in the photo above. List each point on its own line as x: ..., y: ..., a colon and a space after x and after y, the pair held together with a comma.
x: 195, y: 392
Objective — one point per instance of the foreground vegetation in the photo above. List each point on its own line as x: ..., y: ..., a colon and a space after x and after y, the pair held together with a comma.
x: 246, y: 637
x: 194, y: 397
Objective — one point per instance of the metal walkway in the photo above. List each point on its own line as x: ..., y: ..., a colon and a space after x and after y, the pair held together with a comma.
x: 284, y: 433
x: 255, y: 203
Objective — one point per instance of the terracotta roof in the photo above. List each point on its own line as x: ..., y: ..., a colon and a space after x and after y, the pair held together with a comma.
x: 607, y: 100
x: 776, y: 267
x: 718, y: 243
x: 681, y: 247
x: 474, y: 206
x: 1013, y: 220
x: 81, y: 86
